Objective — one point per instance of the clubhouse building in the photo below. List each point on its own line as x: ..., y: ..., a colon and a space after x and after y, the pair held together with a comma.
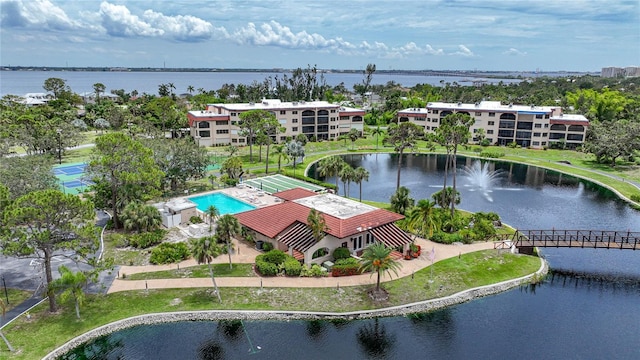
x: 528, y: 126
x: 350, y: 224
x: 218, y: 124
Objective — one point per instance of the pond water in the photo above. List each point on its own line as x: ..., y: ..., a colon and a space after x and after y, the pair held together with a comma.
x: 564, y: 317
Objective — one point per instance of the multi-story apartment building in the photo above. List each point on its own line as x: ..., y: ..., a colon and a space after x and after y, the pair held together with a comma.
x: 528, y: 126
x: 611, y: 72
x: 218, y: 124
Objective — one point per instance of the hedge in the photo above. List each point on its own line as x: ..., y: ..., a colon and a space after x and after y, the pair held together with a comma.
x: 345, y: 270
x: 292, y: 267
x: 266, y: 268
x: 341, y: 253
x: 167, y: 253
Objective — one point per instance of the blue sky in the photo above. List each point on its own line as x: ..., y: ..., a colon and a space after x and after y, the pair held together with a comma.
x: 514, y: 35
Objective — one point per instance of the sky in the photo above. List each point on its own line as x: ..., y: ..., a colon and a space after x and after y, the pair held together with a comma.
x: 487, y: 35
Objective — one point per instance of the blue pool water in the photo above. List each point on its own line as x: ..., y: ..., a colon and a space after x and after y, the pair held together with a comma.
x: 224, y: 203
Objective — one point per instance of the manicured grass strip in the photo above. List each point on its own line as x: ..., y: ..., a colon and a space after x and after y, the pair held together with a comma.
x: 201, y: 271
x: 44, y: 332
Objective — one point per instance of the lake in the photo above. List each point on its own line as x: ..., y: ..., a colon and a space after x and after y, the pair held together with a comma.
x: 564, y: 317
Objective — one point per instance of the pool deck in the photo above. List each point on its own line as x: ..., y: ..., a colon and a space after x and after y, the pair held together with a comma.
x: 251, y: 196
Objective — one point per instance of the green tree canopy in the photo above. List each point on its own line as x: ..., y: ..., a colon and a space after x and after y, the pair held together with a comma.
x: 43, y: 222
x: 123, y: 170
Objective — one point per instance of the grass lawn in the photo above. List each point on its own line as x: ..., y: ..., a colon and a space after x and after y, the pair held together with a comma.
x: 201, y: 271
x: 16, y: 296
x: 44, y: 332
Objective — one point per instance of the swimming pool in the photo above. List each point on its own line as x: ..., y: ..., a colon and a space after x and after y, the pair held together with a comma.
x: 224, y: 203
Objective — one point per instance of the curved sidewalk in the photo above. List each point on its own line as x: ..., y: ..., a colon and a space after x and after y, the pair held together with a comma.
x: 247, y: 255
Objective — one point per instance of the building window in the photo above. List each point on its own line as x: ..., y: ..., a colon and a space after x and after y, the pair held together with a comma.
x: 294, y: 121
x: 222, y: 131
x: 478, y: 113
x: 241, y: 140
x: 536, y: 143
x: 235, y: 141
x: 574, y: 137
x: 333, y: 127
x: 222, y: 123
x: 342, y: 117
x: 283, y: 112
x: 545, y: 134
x: 536, y: 134
x: 434, y: 111
x: 546, y: 116
x: 320, y: 253
x: 203, y: 125
x: 333, y: 118
x: 294, y: 129
x: 419, y: 119
x: 546, y: 126
x: 538, y: 116
x: 544, y: 143
x: 204, y: 134
x: 489, y: 131
x: 233, y: 114
x: 538, y: 125
x: 491, y: 123
x: 492, y: 114
x: 333, y: 111
x: 234, y: 123
x: 294, y: 112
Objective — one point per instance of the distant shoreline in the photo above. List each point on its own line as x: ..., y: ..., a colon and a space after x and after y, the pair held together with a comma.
x: 464, y: 73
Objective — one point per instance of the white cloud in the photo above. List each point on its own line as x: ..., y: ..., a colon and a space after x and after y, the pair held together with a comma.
x: 188, y: 28
x: 35, y: 14
x: 514, y: 52
x: 463, y: 51
x: 118, y: 21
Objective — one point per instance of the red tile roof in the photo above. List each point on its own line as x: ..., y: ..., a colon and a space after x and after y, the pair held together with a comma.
x: 272, y: 220
x: 294, y: 194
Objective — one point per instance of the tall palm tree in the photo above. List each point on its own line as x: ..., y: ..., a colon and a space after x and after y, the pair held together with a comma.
x: 360, y: 174
x: 377, y: 132
x: 377, y: 258
x: 203, y: 251
x: 71, y: 284
x: 280, y: 153
x: 3, y: 307
x: 346, y: 175
x: 423, y: 218
x: 353, y: 135
x: 212, y: 213
x: 330, y: 166
x: 190, y: 89
x: 400, y: 201
x: 316, y: 221
x: 228, y: 227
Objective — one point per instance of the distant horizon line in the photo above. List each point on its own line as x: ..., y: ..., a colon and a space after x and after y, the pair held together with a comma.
x: 219, y: 69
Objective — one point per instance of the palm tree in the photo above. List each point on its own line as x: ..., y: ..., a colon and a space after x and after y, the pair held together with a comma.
x: 280, y: 153
x: 203, y: 251
x: 400, y: 201
x: 316, y: 221
x: 150, y: 218
x: 377, y: 132
x: 330, y: 166
x: 403, y: 136
x: 346, y: 175
x: 212, y: 213
x: 360, y: 174
x: 228, y: 227
x: 353, y: 135
x: 3, y: 307
x: 423, y: 218
x: 131, y: 216
x: 71, y: 284
x: 190, y: 89
x: 377, y: 258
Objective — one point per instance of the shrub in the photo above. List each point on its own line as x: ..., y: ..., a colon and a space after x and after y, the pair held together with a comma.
x: 267, y: 246
x: 635, y: 197
x: 148, y: 239
x: 314, y: 271
x: 477, y: 150
x: 485, y: 142
x: 118, y: 240
x: 493, y: 154
x: 167, y: 253
x: 347, y: 261
x: 266, y: 268
x: 195, y: 220
x: 292, y: 267
x: 446, y: 238
x: 345, y: 270
x: 341, y: 253
x: 276, y: 257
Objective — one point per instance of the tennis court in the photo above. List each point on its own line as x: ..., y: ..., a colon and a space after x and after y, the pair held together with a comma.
x: 72, y: 178
x: 275, y: 183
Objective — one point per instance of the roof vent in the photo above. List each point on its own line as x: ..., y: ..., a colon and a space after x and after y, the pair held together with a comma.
x: 477, y: 104
x: 510, y: 105
x: 459, y: 103
x: 251, y: 103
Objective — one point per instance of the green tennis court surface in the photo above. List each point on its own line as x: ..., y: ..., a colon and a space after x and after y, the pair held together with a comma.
x: 276, y: 183
x: 72, y: 178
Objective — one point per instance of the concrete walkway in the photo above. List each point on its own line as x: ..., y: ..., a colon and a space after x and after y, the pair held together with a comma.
x: 247, y: 254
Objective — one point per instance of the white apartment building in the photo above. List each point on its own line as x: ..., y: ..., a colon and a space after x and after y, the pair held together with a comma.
x: 528, y: 126
x: 218, y: 124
